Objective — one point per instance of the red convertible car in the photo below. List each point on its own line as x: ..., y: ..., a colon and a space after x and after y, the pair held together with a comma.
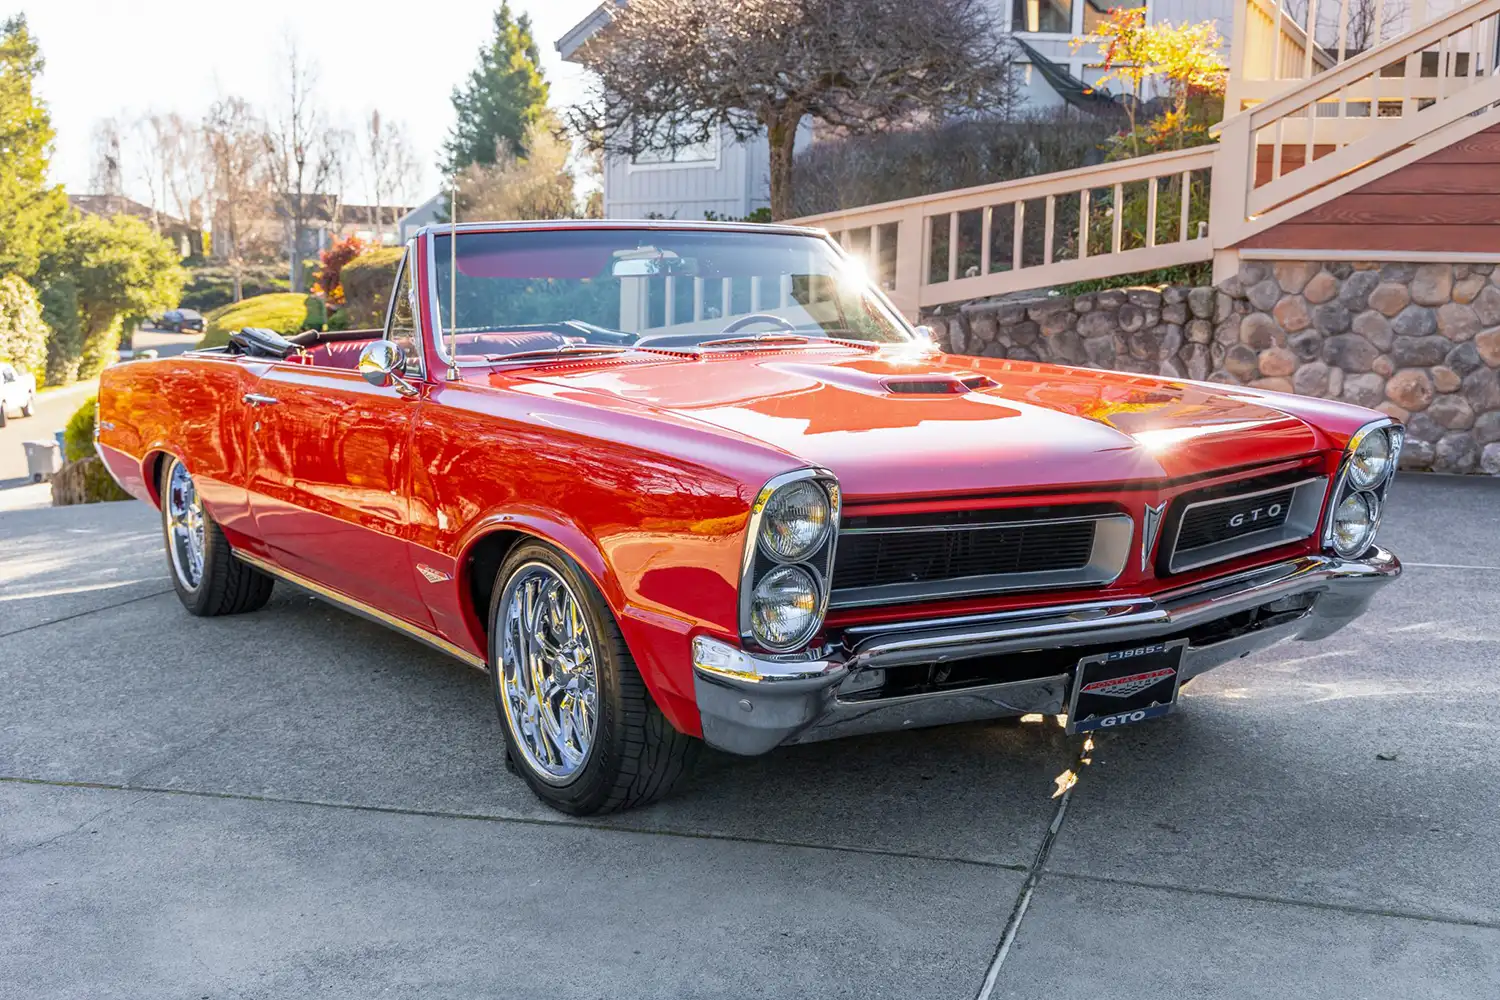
x: 672, y: 482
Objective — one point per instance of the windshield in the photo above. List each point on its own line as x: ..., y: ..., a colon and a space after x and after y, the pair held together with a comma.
x: 595, y: 290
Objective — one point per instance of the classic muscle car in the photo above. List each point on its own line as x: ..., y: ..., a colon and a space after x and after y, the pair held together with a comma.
x: 671, y: 482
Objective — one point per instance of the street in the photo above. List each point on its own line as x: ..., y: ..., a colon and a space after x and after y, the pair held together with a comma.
x: 298, y: 801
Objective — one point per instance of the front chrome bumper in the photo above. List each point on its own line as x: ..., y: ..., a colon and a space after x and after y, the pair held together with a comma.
x: 750, y: 704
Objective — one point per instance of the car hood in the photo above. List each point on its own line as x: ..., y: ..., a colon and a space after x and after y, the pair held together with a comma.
x: 903, y: 422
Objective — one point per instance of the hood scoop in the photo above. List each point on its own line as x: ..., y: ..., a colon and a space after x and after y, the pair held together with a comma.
x: 937, y: 385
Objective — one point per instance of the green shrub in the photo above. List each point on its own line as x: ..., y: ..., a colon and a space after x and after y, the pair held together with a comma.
x: 367, y: 281
x: 211, y: 283
x: 23, y: 335
x: 78, y: 435
x: 287, y: 313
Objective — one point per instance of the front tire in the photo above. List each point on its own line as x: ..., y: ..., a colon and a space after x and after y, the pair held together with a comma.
x: 29, y: 409
x: 208, y: 579
x: 580, y: 726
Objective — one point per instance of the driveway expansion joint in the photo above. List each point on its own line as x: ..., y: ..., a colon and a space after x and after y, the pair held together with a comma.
x: 561, y: 824
x: 1354, y: 909
x: 85, y: 614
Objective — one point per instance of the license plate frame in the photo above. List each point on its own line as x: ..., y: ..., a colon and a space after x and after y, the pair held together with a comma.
x: 1125, y: 686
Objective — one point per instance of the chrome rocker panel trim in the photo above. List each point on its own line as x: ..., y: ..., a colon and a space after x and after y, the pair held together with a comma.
x: 751, y: 704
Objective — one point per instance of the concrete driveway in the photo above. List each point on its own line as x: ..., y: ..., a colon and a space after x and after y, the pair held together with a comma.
x: 298, y: 802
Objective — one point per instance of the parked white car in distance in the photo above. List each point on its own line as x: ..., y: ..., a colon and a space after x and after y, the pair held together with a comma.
x: 17, y: 392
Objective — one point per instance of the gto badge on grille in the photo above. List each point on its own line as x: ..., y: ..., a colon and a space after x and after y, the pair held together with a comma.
x: 1243, y: 518
x: 1150, y: 525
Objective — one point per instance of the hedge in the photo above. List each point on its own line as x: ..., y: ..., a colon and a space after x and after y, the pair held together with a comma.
x: 211, y: 286
x: 367, y: 281
x: 23, y: 335
x: 285, y: 312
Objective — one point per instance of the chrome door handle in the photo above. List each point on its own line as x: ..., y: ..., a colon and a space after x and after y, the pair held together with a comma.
x: 255, y: 399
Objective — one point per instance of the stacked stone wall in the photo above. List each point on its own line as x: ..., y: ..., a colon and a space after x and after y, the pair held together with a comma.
x: 1420, y: 342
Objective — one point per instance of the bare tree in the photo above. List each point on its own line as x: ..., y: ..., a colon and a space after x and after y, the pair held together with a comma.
x: 190, y: 171
x: 106, y: 175
x: 150, y: 151
x: 390, y: 166
x: 676, y: 73
x: 298, y: 155
x: 339, y: 148
x: 235, y: 138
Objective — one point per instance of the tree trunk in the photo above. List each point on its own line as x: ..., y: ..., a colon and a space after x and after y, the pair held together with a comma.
x: 781, y: 133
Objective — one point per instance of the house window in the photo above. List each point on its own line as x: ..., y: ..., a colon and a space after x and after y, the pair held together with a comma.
x: 1044, y: 16
x: 1096, y: 12
x: 694, y: 154
x: 1056, y: 17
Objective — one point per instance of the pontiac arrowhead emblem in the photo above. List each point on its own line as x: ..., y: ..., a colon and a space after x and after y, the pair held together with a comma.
x: 1150, y: 525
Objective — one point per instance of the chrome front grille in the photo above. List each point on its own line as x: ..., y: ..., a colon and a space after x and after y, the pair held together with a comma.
x: 915, y: 557
x: 1225, y: 522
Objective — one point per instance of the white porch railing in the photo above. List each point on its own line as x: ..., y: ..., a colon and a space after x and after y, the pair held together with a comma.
x: 1319, y: 119
x: 1356, y: 122
x: 1037, y: 231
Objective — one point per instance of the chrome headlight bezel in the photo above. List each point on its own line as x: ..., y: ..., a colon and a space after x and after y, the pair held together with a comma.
x: 766, y: 535
x: 1371, y: 506
x: 1374, y: 489
x: 761, y: 559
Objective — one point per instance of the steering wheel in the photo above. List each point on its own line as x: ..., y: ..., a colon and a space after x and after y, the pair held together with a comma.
x: 754, y: 318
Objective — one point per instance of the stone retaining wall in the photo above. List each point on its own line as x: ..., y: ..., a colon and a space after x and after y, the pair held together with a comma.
x: 1420, y: 342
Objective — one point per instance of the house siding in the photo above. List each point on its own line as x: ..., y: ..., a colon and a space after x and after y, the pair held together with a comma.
x: 1448, y: 202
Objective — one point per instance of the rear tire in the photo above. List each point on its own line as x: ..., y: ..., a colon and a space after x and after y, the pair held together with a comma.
x: 625, y: 753
x: 208, y: 579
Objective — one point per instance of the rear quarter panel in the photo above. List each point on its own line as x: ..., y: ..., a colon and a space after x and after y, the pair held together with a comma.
x: 189, y: 407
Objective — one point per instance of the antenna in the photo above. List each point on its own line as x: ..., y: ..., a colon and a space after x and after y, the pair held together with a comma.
x: 453, y: 373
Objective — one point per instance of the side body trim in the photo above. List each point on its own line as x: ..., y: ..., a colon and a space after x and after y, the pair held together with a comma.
x: 365, y: 611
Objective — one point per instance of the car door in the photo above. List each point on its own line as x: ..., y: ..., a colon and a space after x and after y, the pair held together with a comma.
x: 330, y: 476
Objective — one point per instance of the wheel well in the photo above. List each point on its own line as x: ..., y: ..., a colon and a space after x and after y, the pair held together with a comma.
x: 153, y: 474
x: 483, y: 564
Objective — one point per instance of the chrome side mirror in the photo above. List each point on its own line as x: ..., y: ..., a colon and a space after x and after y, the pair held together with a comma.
x: 383, y: 364
x: 926, y: 336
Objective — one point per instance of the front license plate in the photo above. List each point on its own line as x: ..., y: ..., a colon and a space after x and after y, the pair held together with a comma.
x: 1126, y: 685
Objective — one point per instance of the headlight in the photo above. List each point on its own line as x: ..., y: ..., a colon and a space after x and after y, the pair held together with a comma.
x: 784, y: 608
x: 795, y: 521
x: 1371, y: 461
x: 1354, y: 524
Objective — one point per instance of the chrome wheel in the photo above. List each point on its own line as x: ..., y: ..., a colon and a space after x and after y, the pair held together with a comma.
x: 185, y: 527
x: 548, y: 673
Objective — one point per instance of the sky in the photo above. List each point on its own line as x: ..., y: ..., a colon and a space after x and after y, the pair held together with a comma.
x: 123, y: 58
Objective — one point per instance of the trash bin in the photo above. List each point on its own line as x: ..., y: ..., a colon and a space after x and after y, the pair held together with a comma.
x: 43, y: 459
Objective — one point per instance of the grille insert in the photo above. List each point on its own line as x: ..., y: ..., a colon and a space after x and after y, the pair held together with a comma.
x: 919, y: 556
x: 900, y: 558
x: 1233, y: 518
x: 1226, y: 522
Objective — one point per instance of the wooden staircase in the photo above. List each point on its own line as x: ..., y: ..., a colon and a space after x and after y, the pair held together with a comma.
x: 1309, y: 126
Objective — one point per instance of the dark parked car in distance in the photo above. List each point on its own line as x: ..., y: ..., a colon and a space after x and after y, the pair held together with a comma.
x: 181, y: 321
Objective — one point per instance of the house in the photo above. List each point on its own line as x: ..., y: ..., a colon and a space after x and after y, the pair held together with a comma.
x: 431, y: 211
x: 729, y: 179
x: 328, y: 220
x: 183, y: 235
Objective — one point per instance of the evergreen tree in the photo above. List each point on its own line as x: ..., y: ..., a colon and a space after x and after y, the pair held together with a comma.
x: 31, y: 212
x: 503, y: 96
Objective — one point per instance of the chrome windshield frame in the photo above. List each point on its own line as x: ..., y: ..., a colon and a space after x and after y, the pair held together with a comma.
x: 429, y: 235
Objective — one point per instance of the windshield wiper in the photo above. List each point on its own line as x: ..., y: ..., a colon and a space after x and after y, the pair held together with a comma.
x: 760, y: 338
x: 560, y: 349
